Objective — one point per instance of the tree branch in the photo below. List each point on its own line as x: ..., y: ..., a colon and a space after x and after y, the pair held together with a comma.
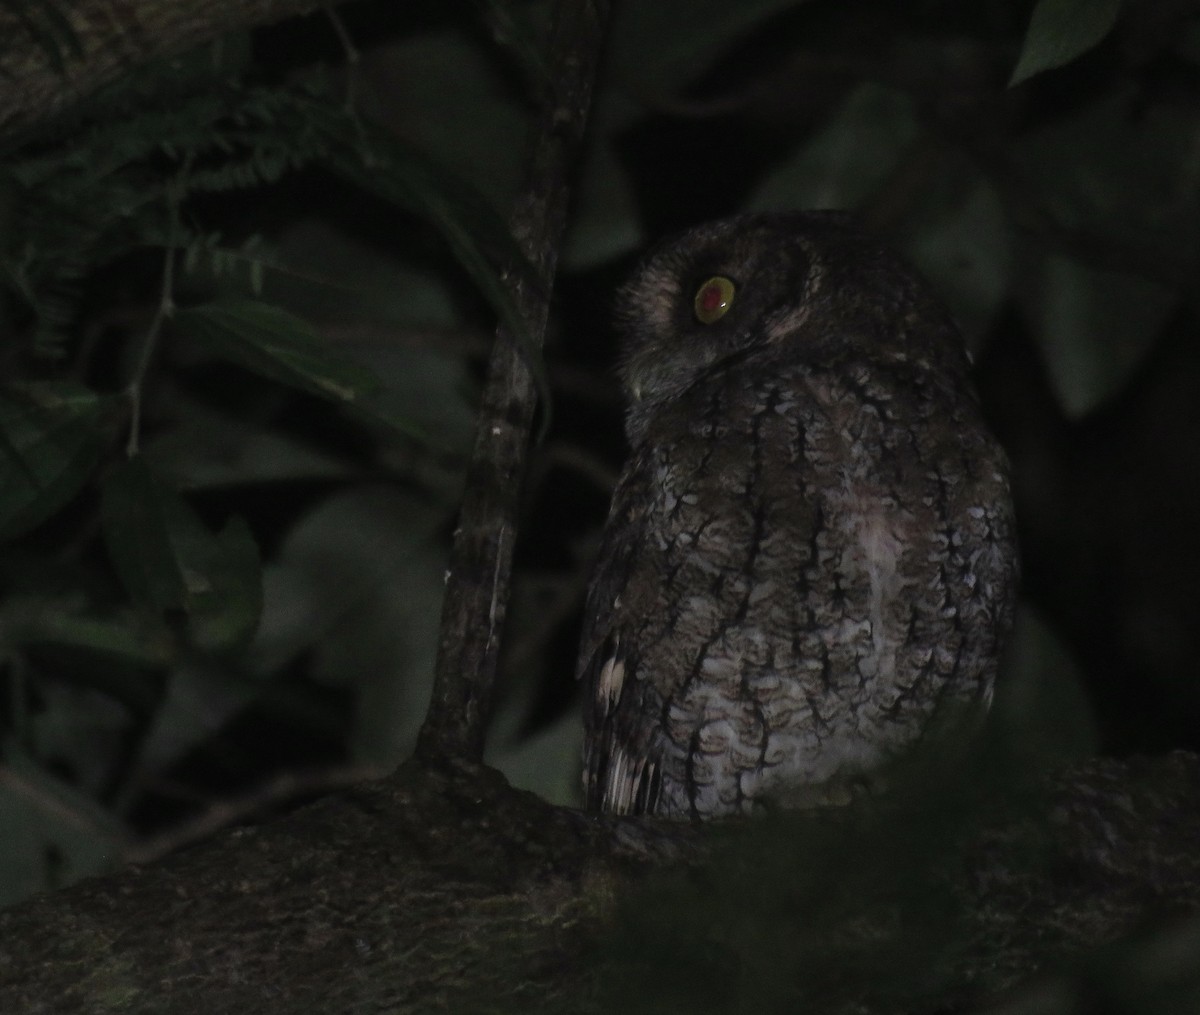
x: 441, y: 890
x: 481, y: 558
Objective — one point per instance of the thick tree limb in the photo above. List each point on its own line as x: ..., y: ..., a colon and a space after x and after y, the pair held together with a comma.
x: 111, y: 37
x: 481, y: 558
x: 446, y: 890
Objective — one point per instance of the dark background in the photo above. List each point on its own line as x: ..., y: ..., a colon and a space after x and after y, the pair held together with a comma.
x: 1058, y: 217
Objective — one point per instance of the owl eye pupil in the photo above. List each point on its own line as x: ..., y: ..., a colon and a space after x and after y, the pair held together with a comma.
x: 713, y: 299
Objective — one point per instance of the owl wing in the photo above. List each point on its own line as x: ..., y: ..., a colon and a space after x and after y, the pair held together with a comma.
x: 621, y: 773
x: 699, y: 609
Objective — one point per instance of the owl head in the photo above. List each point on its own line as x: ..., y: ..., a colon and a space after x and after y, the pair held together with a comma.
x: 772, y: 288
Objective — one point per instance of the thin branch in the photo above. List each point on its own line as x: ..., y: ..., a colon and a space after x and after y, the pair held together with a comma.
x: 58, y: 806
x: 481, y: 558
x: 165, y: 308
x: 353, y: 58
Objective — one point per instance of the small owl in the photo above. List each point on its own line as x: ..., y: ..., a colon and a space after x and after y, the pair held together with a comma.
x: 810, y: 554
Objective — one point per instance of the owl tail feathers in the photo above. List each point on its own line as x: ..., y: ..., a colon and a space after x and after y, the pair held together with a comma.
x: 621, y: 775
x: 617, y: 782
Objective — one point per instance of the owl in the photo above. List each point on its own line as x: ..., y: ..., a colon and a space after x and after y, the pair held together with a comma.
x: 810, y: 552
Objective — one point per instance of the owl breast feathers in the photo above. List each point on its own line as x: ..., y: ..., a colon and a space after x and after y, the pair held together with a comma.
x: 810, y: 552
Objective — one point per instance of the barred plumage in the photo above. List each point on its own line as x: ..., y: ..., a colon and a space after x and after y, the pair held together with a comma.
x: 810, y: 551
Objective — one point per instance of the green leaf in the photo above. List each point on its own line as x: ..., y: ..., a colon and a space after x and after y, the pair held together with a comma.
x: 1042, y: 706
x: 235, y: 574
x: 849, y: 157
x: 50, y: 439
x: 511, y: 31
x: 44, y: 815
x: 478, y: 238
x: 544, y: 762
x: 1093, y: 328
x: 459, y: 110
x: 281, y: 347
x: 22, y: 844
x: 356, y: 587
x: 127, y: 640
x: 1061, y: 30
x: 278, y: 346
x: 118, y: 653
x: 960, y: 241
x: 200, y: 698
x: 658, y: 47
x: 1116, y: 146
x: 168, y: 560
x: 151, y: 535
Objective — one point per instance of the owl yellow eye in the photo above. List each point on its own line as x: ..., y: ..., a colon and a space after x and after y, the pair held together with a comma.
x: 713, y: 299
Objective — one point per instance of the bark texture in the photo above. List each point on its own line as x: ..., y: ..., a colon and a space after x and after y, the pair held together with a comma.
x: 445, y: 889
x: 480, y: 573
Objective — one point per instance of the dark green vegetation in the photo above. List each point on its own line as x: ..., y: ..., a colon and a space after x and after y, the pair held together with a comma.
x: 247, y: 293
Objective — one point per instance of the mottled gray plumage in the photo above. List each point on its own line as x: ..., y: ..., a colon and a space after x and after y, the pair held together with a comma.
x: 810, y: 551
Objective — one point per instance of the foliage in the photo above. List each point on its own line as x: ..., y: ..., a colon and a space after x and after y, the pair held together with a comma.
x: 49, y: 26
x: 119, y: 581
x: 1060, y: 31
x: 300, y: 291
